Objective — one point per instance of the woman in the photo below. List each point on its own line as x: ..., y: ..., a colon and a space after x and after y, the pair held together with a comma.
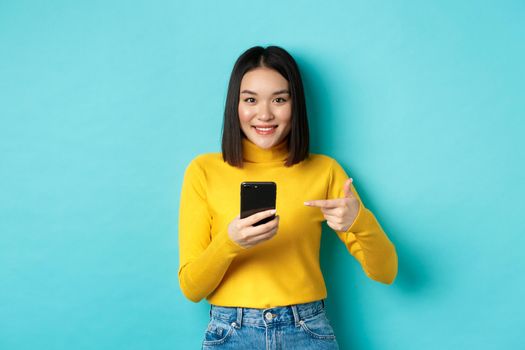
x: 264, y: 282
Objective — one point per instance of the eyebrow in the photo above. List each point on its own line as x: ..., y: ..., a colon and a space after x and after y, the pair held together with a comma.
x: 284, y: 91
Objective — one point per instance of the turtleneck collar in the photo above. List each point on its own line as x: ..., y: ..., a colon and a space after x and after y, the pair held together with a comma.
x: 254, y: 154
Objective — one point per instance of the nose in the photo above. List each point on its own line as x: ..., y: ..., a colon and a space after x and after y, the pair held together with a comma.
x: 265, y: 113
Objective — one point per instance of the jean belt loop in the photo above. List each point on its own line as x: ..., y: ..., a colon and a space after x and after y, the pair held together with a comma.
x: 296, y: 316
x: 239, y: 317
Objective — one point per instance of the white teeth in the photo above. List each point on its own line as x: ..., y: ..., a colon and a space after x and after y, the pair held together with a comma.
x: 264, y: 129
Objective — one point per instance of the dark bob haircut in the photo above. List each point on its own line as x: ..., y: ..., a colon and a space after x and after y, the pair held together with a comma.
x: 278, y: 59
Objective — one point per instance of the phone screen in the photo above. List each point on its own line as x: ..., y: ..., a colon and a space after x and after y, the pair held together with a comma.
x: 256, y: 197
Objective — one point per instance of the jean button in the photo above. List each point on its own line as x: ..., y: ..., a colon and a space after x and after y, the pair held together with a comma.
x: 269, y: 316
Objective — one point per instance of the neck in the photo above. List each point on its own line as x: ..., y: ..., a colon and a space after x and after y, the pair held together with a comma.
x: 254, y: 154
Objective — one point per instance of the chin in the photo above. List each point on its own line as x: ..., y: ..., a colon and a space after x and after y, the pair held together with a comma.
x: 265, y: 144
x: 262, y: 141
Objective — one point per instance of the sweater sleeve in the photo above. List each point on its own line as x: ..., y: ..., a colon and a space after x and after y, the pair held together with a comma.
x: 365, y: 238
x: 203, y: 260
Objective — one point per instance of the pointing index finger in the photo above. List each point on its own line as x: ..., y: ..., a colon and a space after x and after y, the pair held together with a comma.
x: 324, y: 203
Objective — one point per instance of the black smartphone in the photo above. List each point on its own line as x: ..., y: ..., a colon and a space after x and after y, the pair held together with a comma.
x: 256, y: 197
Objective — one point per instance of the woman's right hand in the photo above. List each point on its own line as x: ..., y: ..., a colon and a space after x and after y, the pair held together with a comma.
x: 246, y: 235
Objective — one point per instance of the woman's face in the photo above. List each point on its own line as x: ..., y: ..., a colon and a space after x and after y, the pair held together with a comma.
x: 265, y: 107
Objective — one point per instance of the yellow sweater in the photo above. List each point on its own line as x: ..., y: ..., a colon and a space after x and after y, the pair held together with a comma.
x: 285, y: 269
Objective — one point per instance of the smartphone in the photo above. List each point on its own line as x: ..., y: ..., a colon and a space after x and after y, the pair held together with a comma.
x: 256, y: 197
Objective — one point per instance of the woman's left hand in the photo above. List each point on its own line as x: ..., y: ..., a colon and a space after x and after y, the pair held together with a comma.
x: 339, y: 213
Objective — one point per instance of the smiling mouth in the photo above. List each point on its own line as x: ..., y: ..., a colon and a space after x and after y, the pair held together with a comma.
x: 265, y: 128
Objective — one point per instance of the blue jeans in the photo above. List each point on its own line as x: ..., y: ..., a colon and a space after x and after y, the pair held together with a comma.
x: 301, y: 326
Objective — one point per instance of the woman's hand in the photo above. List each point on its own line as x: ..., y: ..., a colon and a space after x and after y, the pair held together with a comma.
x: 339, y: 213
x: 246, y: 235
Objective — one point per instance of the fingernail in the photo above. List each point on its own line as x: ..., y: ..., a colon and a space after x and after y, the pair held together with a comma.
x: 306, y: 203
x: 273, y: 211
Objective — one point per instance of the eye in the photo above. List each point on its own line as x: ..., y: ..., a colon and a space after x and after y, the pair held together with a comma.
x: 249, y: 100
x: 280, y: 100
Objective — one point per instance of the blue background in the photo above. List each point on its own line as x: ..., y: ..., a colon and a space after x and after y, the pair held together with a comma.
x: 103, y: 104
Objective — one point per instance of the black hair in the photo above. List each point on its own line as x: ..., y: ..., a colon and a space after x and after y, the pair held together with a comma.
x: 276, y: 58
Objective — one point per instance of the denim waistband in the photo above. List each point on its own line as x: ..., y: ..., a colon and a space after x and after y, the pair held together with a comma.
x: 264, y: 317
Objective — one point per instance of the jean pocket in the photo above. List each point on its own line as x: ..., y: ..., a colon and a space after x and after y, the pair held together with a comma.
x: 217, y: 332
x: 318, y: 327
